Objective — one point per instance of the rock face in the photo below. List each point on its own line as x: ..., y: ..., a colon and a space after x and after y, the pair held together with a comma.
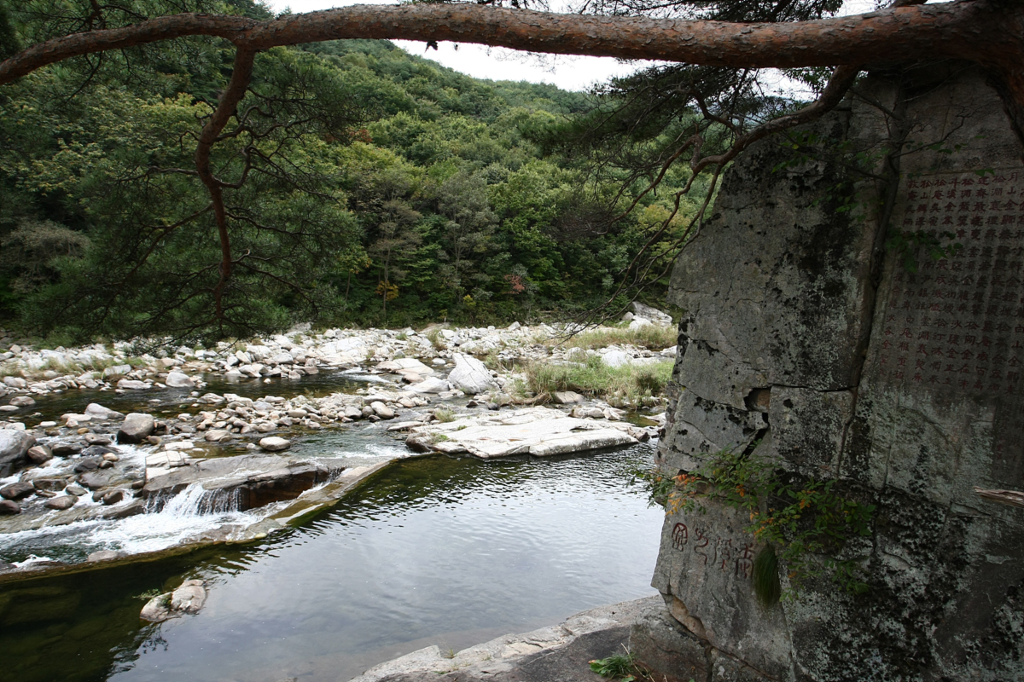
x: 810, y: 344
x: 470, y: 375
x: 13, y: 447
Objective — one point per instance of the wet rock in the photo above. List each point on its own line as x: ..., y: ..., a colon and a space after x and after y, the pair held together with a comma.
x: 135, y: 428
x: 97, y: 439
x: 97, y: 451
x: 38, y: 454
x: 95, y: 480
x: 9, y: 508
x: 114, y: 496
x: 88, y: 464
x: 179, y: 380
x: 66, y: 449
x: 104, y: 555
x: 13, y: 447
x: 61, y: 502
x: 189, y: 598
x: 49, y: 484
x: 21, y: 401
x: 275, y: 444
x: 17, y: 491
x: 470, y: 375
x: 76, y: 490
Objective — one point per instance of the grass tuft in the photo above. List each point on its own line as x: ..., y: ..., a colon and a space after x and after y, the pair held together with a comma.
x: 651, y: 336
x: 632, y: 383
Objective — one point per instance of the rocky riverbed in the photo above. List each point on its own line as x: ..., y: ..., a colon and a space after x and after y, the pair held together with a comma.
x: 228, y: 451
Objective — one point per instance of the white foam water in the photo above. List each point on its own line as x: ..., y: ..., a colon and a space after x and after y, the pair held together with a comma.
x: 191, y: 512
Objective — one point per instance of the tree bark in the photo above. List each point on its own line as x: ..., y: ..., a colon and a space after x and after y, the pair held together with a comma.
x: 982, y: 31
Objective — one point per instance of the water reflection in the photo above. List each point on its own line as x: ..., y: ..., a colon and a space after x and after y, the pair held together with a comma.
x: 437, y: 550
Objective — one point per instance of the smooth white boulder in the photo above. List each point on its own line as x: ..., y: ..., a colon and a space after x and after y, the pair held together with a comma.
x: 470, y: 375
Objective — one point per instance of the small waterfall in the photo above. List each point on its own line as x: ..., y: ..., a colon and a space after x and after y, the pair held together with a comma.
x: 196, y: 501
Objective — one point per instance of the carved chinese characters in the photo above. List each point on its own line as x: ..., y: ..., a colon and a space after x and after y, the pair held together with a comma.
x: 957, y: 324
x: 723, y: 554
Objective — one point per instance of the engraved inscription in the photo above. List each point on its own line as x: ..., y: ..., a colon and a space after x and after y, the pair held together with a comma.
x: 957, y: 324
x: 716, y: 552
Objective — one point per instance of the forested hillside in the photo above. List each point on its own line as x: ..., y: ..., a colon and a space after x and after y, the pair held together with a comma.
x: 369, y: 186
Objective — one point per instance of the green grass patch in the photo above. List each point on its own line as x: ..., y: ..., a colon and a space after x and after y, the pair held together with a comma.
x: 592, y: 377
x: 650, y: 336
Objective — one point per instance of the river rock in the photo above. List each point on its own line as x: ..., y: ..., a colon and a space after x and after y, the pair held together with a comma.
x: 189, y: 598
x: 76, y: 490
x: 114, y: 496
x: 566, y: 397
x: 21, y: 401
x: 135, y: 428
x: 470, y: 375
x: 429, y: 385
x: 97, y: 411
x: 38, y: 454
x: 179, y: 380
x: 66, y: 449
x: 49, y: 484
x: 116, y: 372
x: 653, y: 314
x: 13, y: 447
x: 94, y: 480
x: 133, y: 385
x: 104, y: 555
x: 17, y: 491
x: 88, y: 464
x: 275, y: 444
x: 15, y: 382
x: 62, y: 502
x: 217, y: 435
x: 382, y: 410
x: 97, y: 439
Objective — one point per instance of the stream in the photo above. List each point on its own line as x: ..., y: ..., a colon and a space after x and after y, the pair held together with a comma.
x: 434, y: 550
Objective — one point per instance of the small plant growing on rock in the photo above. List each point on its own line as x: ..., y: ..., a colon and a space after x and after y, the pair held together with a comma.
x: 804, y: 524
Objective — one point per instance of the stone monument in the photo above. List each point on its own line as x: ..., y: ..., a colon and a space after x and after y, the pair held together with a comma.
x: 809, y: 342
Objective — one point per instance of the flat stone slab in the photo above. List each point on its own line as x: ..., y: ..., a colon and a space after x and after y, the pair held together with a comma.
x: 558, y: 653
x: 538, y: 431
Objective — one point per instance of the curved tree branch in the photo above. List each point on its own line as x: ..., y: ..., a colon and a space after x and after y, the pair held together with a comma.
x: 982, y: 31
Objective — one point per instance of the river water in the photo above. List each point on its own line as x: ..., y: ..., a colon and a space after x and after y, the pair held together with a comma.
x: 438, y: 550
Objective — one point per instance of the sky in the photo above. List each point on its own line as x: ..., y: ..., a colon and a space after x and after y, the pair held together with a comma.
x: 568, y: 73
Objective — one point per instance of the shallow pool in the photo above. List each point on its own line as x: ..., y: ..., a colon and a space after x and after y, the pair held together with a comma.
x: 431, y: 551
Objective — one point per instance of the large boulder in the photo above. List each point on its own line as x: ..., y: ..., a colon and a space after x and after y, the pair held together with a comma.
x: 13, y: 447
x: 136, y: 427
x: 470, y: 375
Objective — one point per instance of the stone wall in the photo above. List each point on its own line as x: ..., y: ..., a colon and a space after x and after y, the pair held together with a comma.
x: 807, y: 341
